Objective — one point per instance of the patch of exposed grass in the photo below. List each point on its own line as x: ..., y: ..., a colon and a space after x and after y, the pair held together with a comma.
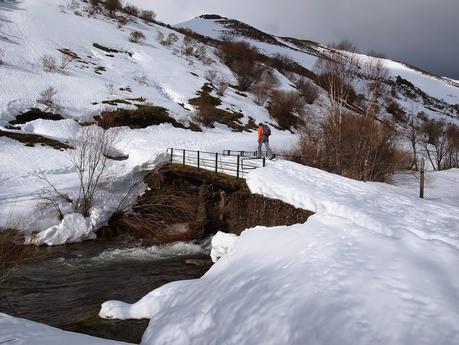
x: 35, y: 114
x: 33, y: 139
x: 144, y: 116
x: 69, y: 53
x: 208, y: 112
x: 105, y: 49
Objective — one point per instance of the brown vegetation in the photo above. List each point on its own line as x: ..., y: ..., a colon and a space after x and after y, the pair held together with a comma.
x: 142, y: 117
x: 283, y: 107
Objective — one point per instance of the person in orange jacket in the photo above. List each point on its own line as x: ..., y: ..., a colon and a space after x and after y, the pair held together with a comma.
x: 263, y: 138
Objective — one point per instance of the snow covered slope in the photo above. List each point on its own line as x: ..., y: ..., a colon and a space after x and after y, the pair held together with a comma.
x: 306, y: 53
x: 374, y: 265
x: 129, y: 71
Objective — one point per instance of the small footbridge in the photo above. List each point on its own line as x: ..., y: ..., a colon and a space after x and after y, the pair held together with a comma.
x: 229, y: 162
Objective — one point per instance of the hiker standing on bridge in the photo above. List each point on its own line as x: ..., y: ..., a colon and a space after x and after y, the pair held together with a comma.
x: 263, y: 138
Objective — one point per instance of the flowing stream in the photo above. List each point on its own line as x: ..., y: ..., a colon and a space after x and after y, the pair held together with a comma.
x: 67, y: 286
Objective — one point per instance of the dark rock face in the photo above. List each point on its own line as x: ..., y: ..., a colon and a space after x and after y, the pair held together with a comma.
x: 212, y: 203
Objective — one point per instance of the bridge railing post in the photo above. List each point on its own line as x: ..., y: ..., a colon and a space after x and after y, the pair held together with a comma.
x: 238, y: 164
x: 264, y: 162
x: 172, y: 155
x: 183, y: 157
x: 198, y: 160
x: 216, y: 162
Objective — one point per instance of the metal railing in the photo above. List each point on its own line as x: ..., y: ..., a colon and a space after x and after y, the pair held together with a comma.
x: 234, y: 163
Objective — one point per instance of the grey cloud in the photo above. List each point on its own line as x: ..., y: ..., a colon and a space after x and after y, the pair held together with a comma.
x: 424, y: 33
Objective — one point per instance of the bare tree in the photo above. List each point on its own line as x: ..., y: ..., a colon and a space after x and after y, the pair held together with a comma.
x: 136, y: 37
x: 170, y: 40
x: 90, y: 159
x: 222, y: 86
x: 440, y: 142
x: 188, y: 46
x: 211, y: 75
x: 148, y: 16
x: 47, y: 99
x: 66, y: 59
x: 375, y: 90
x: 49, y: 63
x: 261, y: 92
x: 336, y: 74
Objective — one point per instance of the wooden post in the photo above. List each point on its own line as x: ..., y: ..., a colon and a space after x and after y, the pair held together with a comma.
x: 172, y: 155
x: 198, y: 161
x: 365, y: 167
x: 238, y: 163
x: 183, y: 157
x: 216, y: 162
x: 421, y: 180
x: 264, y: 162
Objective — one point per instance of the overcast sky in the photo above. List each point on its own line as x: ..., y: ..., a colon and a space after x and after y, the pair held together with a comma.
x: 424, y: 33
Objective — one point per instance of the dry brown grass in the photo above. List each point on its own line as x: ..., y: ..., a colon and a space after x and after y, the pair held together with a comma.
x: 13, y: 252
x: 154, y: 216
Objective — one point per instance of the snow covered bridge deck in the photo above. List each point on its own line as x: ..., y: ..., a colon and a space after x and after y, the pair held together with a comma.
x: 234, y: 163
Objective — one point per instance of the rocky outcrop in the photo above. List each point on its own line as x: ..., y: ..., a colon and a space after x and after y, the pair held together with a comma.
x: 204, y: 203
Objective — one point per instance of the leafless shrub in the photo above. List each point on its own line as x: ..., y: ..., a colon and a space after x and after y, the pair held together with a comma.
x: 283, y: 107
x: 242, y: 59
x: 345, y: 45
x: 112, y: 6
x: 375, y: 90
x: 73, y: 5
x: 169, y: 40
x: 50, y: 197
x: 66, y: 60
x: 148, y: 16
x: 160, y: 37
x: 13, y: 252
x: 142, y: 79
x: 222, y: 86
x: 136, y: 37
x: 365, y: 149
x: 211, y: 75
x: 261, y: 92
x: 110, y: 89
x: 122, y: 21
x: 47, y: 99
x: 201, y: 53
x: 308, y: 91
x: 188, y: 46
x: 90, y: 159
x: 49, y: 64
x: 131, y: 10
x: 440, y: 142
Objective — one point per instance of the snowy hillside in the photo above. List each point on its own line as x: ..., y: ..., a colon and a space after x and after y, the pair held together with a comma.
x: 374, y: 265
x: 306, y: 53
x: 105, y: 67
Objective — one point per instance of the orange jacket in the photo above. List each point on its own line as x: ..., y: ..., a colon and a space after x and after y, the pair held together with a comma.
x: 260, y: 133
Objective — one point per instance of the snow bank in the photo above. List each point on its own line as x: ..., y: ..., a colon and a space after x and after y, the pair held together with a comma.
x: 374, y: 265
x: 379, y: 207
x: 73, y: 228
x: 17, y: 331
x: 328, y: 281
x: 222, y: 244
